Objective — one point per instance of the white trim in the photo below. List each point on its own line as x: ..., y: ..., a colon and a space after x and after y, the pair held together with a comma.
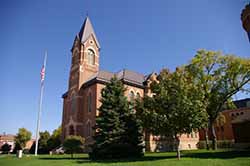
x: 81, y: 68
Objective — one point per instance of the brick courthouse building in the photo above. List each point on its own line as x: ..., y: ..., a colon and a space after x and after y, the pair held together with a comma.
x: 81, y: 101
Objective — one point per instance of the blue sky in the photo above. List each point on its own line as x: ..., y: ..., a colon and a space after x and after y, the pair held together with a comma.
x: 139, y: 35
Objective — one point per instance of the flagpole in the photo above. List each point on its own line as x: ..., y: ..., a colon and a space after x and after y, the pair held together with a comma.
x: 40, y: 102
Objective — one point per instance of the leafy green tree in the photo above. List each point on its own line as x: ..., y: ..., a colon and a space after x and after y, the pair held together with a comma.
x: 55, y: 139
x: 6, y: 148
x: 22, y: 137
x: 177, y: 108
x: 32, y: 148
x: 118, y: 133
x: 144, y: 107
x: 219, y: 77
x: 133, y: 135
x: 43, y: 142
x: 73, y: 144
x: 16, y: 148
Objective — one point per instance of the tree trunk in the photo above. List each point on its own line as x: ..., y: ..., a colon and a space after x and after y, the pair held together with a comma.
x: 177, y: 142
x: 206, y: 138
x: 214, y: 139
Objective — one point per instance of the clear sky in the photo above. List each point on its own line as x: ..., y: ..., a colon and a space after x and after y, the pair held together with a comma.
x: 139, y: 35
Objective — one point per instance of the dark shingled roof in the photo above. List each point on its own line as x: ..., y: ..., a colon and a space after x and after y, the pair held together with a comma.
x: 131, y: 77
x: 242, y: 103
x: 127, y: 76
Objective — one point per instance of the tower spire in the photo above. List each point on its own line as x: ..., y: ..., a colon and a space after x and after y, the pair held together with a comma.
x: 86, y: 31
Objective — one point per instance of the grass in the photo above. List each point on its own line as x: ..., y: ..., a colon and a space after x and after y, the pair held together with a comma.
x: 199, y: 158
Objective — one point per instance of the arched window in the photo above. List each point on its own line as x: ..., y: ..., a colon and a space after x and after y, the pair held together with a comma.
x: 89, y: 102
x: 91, y: 57
x: 71, y: 130
x: 131, y: 95
x: 138, y: 95
x: 88, y: 127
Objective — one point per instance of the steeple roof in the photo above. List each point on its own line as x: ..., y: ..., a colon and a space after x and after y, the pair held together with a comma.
x: 86, y: 31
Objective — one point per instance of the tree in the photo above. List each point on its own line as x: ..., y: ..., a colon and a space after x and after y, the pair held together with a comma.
x: 22, y: 137
x: 6, y: 148
x: 176, y: 106
x: 55, y: 139
x: 219, y: 77
x: 43, y: 142
x: 118, y: 133
x: 144, y: 107
x: 73, y: 144
x: 133, y: 135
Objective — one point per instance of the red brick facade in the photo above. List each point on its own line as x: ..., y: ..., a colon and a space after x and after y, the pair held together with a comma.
x: 82, y: 100
x: 235, y: 127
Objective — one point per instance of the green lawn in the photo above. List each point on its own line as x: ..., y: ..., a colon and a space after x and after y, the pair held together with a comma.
x: 199, y: 158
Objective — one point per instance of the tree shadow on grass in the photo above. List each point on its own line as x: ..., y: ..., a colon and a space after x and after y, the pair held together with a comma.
x: 218, y: 155
x: 63, y: 158
x: 80, y: 160
x: 155, y: 156
x: 144, y: 158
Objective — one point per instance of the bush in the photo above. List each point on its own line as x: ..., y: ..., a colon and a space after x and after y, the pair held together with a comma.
x: 26, y: 151
x: 225, y: 144
x: 6, y: 148
x: 116, y: 151
x: 16, y: 148
x: 220, y: 144
x: 73, y: 144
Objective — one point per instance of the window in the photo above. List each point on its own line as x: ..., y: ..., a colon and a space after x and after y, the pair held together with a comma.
x: 138, y: 95
x: 131, y: 95
x: 89, y: 102
x: 91, y: 57
x: 222, y: 129
x: 73, y: 103
x: 88, y: 128
x: 71, y: 130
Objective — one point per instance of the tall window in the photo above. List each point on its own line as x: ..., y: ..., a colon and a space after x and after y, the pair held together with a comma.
x: 88, y: 128
x: 138, y: 95
x: 89, y: 102
x: 71, y: 130
x: 91, y: 57
x: 73, y: 103
x: 131, y: 95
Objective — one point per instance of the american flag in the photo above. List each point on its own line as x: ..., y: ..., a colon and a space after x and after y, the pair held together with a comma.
x: 42, y: 73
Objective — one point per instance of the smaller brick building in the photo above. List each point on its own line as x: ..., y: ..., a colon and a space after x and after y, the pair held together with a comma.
x: 236, y: 124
